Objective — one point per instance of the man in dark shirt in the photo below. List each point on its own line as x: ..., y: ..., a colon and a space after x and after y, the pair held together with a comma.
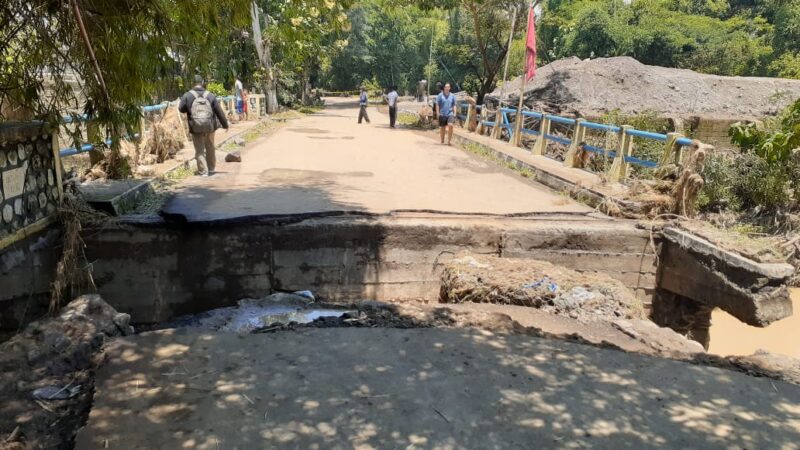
x: 202, y: 137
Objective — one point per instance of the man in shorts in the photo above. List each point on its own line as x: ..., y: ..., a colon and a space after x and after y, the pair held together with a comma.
x: 446, y: 103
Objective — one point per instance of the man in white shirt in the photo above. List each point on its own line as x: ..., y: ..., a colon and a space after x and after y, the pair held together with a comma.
x: 391, y: 98
x: 239, y: 98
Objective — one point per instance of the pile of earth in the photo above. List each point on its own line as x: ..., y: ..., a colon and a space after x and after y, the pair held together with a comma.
x: 47, y: 373
x: 538, y: 284
x: 591, y: 88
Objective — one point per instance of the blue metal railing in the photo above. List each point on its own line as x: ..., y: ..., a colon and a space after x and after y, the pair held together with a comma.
x: 71, y: 151
x: 590, y: 125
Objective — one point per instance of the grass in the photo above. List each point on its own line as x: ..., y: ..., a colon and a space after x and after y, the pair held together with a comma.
x: 488, y: 155
x: 310, y: 109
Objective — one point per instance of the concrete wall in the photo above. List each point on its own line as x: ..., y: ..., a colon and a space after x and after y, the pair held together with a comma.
x: 155, y: 272
x: 27, y: 269
x: 713, y: 132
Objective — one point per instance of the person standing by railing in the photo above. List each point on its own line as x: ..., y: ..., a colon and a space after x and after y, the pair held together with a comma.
x: 203, y: 111
x: 391, y: 99
x: 363, y: 101
x: 446, y: 105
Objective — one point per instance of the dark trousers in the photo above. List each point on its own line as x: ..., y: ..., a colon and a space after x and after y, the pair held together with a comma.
x: 362, y: 114
x: 392, y: 115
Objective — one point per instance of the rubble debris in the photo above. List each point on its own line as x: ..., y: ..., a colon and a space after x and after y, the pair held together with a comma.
x: 233, y: 157
x: 46, y: 371
x: 538, y: 284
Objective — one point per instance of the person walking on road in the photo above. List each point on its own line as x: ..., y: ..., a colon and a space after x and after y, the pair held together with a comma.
x: 239, y: 93
x: 391, y: 98
x: 204, y: 114
x: 363, y: 100
x: 446, y: 105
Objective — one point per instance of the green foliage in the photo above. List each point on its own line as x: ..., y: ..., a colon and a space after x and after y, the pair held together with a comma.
x: 717, y: 194
x: 141, y: 47
x: 765, y: 177
x: 775, y: 142
x: 388, y: 44
x: 217, y: 89
x: 745, y: 182
x: 712, y: 36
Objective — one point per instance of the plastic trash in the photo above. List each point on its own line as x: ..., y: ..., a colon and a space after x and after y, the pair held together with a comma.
x: 56, y: 392
x: 551, y: 285
x: 307, y: 294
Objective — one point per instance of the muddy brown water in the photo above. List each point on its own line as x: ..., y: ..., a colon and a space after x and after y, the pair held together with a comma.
x: 731, y: 337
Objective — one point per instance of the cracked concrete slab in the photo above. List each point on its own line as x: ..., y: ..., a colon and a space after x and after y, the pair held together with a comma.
x: 421, y: 388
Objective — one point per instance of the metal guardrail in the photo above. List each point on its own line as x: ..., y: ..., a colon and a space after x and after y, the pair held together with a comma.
x: 622, y: 156
x: 86, y: 147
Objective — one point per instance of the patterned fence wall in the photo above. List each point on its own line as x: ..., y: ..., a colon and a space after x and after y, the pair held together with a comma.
x: 30, y: 179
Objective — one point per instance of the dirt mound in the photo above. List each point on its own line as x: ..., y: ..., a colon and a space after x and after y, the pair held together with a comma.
x: 597, y: 86
x: 538, y: 284
x: 45, y: 372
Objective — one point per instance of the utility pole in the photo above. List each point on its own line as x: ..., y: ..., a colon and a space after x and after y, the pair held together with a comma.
x: 499, y: 116
x: 520, y: 117
x: 430, y: 61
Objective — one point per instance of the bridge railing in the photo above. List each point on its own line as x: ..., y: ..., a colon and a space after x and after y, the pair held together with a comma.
x: 575, y: 134
x: 257, y: 109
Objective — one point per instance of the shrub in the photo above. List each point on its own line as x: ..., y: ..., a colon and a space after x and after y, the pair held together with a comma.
x: 217, y: 89
x: 717, y: 193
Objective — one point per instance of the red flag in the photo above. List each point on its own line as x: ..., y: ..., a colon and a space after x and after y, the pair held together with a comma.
x: 530, y: 47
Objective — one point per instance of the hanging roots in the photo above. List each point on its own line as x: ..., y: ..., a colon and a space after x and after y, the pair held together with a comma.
x: 73, y: 272
x: 690, y: 182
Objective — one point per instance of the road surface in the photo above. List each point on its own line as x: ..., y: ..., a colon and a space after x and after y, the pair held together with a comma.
x: 447, y: 388
x: 327, y: 162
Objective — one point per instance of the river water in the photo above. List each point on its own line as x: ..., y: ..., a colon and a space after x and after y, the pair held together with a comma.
x: 731, y: 337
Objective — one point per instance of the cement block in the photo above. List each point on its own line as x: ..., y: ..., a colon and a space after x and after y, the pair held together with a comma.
x: 710, y: 277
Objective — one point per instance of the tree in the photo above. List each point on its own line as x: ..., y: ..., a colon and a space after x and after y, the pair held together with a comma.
x: 122, y: 53
x: 300, y: 34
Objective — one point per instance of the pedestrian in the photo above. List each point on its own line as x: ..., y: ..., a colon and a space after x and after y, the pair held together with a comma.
x: 363, y: 100
x: 245, y: 100
x: 391, y: 98
x: 446, y: 105
x: 239, y: 93
x: 204, y: 114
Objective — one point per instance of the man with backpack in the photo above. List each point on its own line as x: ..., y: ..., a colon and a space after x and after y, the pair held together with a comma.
x: 204, y: 114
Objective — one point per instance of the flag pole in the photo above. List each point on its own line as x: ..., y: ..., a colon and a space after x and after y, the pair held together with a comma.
x: 519, y: 119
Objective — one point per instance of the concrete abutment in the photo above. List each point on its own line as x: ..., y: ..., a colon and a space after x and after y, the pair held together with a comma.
x: 156, y: 270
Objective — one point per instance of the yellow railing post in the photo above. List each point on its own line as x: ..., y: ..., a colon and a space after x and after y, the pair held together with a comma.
x: 541, y: 141
x: 518, y: 128
x: 577, y: 139
x: 671, y: 150
x: 619, y: 168
x: 481, y: 127
x: 497, y: 132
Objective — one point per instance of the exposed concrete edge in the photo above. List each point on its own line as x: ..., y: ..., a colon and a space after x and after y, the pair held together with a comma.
x: 223, y: 220
x: 583, y: 194
x: 693, y: 243
x: 119, y: 203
